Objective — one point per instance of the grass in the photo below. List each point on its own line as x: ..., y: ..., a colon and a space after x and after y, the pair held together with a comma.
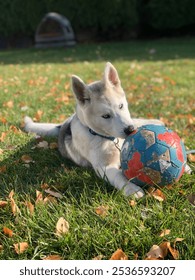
x: 158, y: 77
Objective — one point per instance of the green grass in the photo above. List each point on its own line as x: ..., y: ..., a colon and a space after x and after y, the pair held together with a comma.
x: 158, y: 84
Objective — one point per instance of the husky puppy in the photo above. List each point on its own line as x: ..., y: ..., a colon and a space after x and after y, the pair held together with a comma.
x: 94, y: 134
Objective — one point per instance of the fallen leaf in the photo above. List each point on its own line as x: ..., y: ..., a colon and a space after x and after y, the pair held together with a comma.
x: 9, y: 104
x: 1, y: 151
x: 3, y: 135
x: 191, y: 157
x: 55, y: 194
x: 178, y: 239
x: 27, y: 159
x: 119, y: 255
x: 191, y: 198
x: 7, y: 231
x: 155, y: 253
x: 98, y: 258
x: 20, y: 247
x: 1, y: 248
x: 164, y: 232
x: 30, y: 207
x: 102, y: 210
x: 11, y: 194
x: 132, y: 203
x: 62, y: 227
x: 49, y: 199
x: 174, y: 253
x: 43, y: 144
x: 3, y: 168
x: 156, y: 193
x: 38, y: 115
x: 3, y: 203
x: 14, y: 207
x: 44, y: 186
x: 53, y: 145
x: 52, y: 257
x: 39, y: 197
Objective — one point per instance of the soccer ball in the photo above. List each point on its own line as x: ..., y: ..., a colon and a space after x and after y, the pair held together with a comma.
x: 153, y: 155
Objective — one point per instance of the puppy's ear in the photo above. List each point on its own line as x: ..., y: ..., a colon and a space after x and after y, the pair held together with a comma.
x: 80, y: 90
x: 111, y: 75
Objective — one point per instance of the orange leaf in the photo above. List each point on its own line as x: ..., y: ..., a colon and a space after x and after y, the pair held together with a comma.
x: 52, y: 257
x: 156, y: 193
x: 21, y: 247
x: 11, y: 194
x: 191, y: 157
x: 26, y: 159
x: 9, y: 104
x: 14, y: 207
x: 3, y: 203
x: 1, y: 248
x: 7, y: 231
x: 3, y: 168
x: 132, y: 203
x: 174, y: 253
x: 119, y: 255
x: 30, y: 206
x: 38, y: 115
x: 49, y: 199
x: 164, y: 232
x: 102, y: 210
x: 39, y: 197
x: 3, y: 135
x: 62, y: 227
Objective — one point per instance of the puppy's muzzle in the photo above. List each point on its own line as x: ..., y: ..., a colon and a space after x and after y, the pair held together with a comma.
x: 129, y: 129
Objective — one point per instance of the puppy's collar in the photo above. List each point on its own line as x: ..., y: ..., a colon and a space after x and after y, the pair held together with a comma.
x: 103, y: 136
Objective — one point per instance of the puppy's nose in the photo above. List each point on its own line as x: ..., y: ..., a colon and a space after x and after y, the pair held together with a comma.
x: 129, y: 129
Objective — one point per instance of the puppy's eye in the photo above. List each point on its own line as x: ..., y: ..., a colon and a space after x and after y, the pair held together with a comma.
x: 106, y: 116
x: 121, y: 106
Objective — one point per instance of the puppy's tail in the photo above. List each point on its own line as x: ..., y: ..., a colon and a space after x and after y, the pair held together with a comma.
x: 42, y: 129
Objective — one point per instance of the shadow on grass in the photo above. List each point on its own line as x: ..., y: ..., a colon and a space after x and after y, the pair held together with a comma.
x: 47, y: 167
x: 154, y: 50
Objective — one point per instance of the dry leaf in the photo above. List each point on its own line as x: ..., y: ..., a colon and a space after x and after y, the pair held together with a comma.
x: 1, y: 151
x: 3, y: 203
x: 132, y: 203
x: 119, y: 255
x: 155, y: 253
x: 102, y: 210
x: 27, y: 159
x: 98, y: 258
x: 52, y: 257
x: 62, y: 227
x: 11, y: 194
x: 43, y: 144
x: 164, y: 232
x: 30, y: 207
x: 14, y: 207
x: 39, y: 197
x: 156, y: 193
x: 49, y: 199
x: 9, y: 104
x: 38, y: 115
x: 20, y: 247
x: 7, y: 231
x: 55, y: 194
x: 53, y: 145
x: 3, y: 135
x: 3, y: 168
x: 191, y: 198
x: 191, y: 157
x: 178, y: 239
x: 174, y: 253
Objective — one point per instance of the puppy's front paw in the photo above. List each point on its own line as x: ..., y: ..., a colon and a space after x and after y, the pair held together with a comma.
x: 132, y: 189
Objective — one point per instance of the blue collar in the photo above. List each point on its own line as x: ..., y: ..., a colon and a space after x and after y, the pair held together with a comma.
x: 103, y: 136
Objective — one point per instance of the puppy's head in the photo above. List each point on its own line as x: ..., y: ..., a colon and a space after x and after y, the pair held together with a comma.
x: 102, y: 105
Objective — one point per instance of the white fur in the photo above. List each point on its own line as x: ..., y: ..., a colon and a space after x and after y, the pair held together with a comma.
x: 95, y: 102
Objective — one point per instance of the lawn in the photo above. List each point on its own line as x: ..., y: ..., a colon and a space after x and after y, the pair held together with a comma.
x: 159, y: 80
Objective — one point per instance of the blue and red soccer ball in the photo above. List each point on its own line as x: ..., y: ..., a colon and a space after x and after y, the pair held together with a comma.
x: 153, y: 155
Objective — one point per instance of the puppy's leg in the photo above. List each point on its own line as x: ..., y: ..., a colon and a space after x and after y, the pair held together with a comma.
x: 118, y: 180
